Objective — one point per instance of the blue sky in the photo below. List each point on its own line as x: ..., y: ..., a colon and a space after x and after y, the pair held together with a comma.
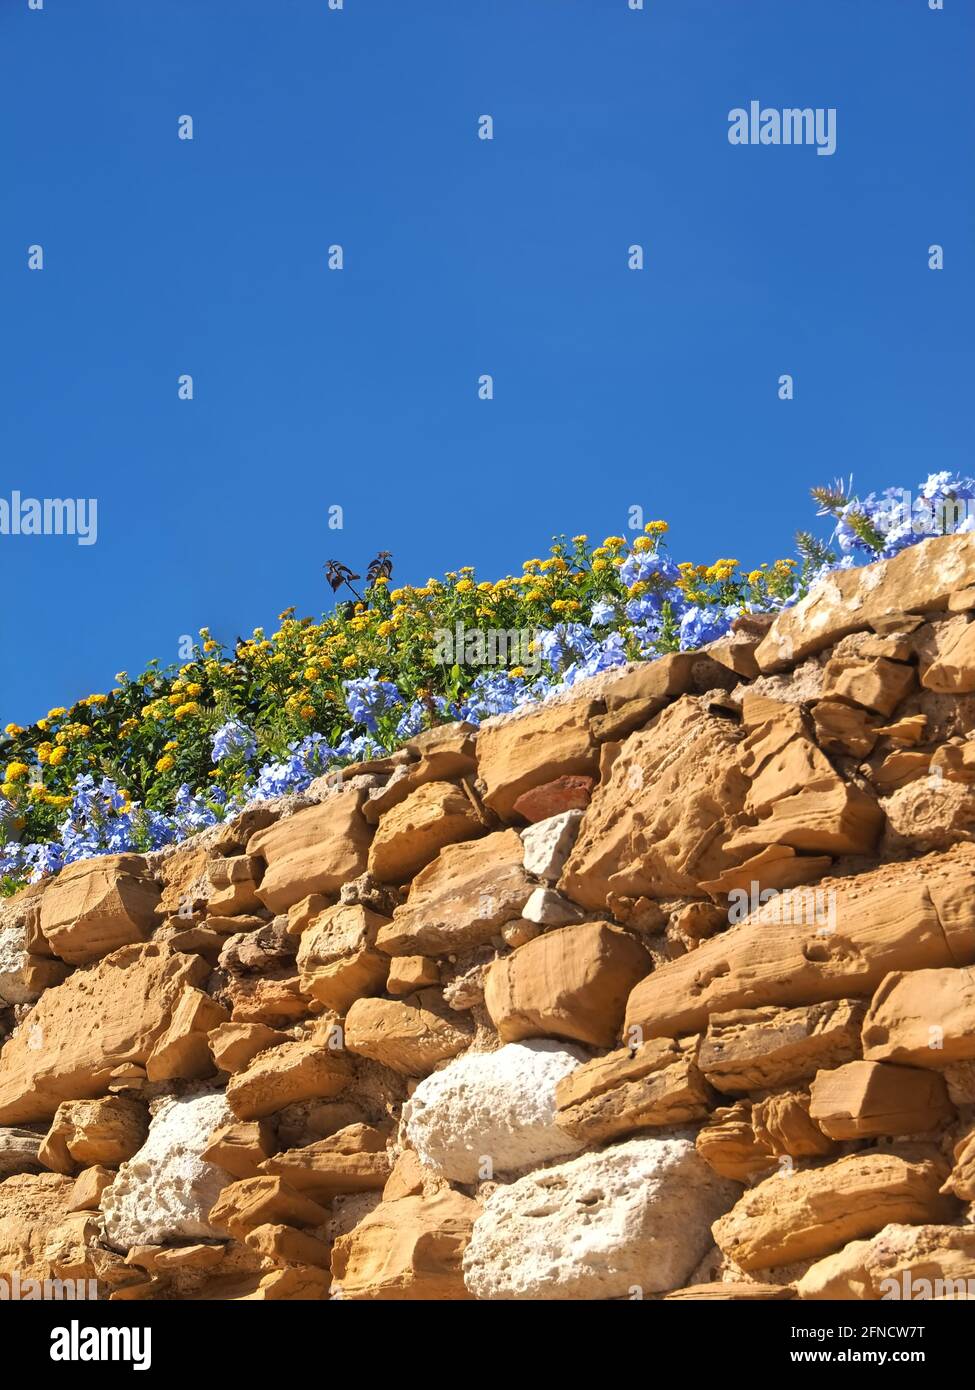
x: 358, y: 388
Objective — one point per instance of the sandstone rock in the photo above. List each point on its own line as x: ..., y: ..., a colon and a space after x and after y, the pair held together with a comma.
x: 234, y: 882
x: 406, y: 1249
x: 244, y: 1206
x: 235, y: 1045
x: 925, y: 1018
x: 657, y: 827
x: 961, y: 1181
x: 783, y: 1125
x: 409, y: 973
x: 571, y: 983
x: 410, y: 1037
x: 955, y: 762
x: 918, y: 580
x: 843, y: 729
x: 668, y: 676
x: 518, y: 752
x: 548, y: 842
x: 32, y: 1226
x: 778, y: 867
x: 415, y: 831
x: 953, y: 669
x: 86, y: 1195
x: 491, y: 1113
x: 313, y: 851
x: 733, y: 1292
x: 164, y: 1193
x: 899, y: 769
x: 19, y: 1152
x: 902, y: 916
x: 276, y: 1002
x: 929, y: 813
x: 240, y: 1149
x: 864, y: 1099
x: 903, y: 1262
x: 960, y: 1080
x: 183, y: 1051
x: 647, y: 1087
x: 95, y: 906
x: 876, y: 684
x: 291, y: 1072
x: 825, y: 815
x: 633, y: 1215
x: 286, y: 1246
x: 813, y: 1212
x: 554, y: 799
x: 462, y: 899
x: 68, y: 1046
x: 729, y: 1145
x: 353, y: 1160
x: 752, y: 1049
x: 409, y: 1177
x: 86, y: 1132
x: 338, y: 959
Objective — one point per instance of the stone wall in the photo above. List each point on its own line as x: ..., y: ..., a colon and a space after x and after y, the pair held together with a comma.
x: 662, y: 989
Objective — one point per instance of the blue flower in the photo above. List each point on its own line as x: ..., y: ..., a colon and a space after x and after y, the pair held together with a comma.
x: 233, y: 737
x: 367, y: 699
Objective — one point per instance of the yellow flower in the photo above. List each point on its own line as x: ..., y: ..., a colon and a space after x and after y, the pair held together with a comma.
x: 168, y: 747
x: 126, y: 727
x: 311, y: 673
x: 600, y: 565
x: 42, y: 724
x: 44, y: 751
x: 13, y: 730
x: 642, y: 543
x: 210, y: 646
x: 38, y: 792
x: 384, y: 629
x: 349, y: 661
x: 308, y: 711
x: 379, y: 581
x: 96, y: 700
x: 614, y: 542
x: 638, y: 589
x: 16, y: 772
x: 516, y: 671
x: 288, y: 613
x: 194, y: 688
x: 58, y: 756
x: 755, y: 577
x: 184, y: 711
x: 464, y: 585
x: 579, y: 540
x: 57, y: 712
x: 534, y: 595
x: 656, y: 528
x: 165, y: 763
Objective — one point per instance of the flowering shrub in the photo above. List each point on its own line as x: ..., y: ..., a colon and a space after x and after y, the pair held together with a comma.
x: 168, y: 752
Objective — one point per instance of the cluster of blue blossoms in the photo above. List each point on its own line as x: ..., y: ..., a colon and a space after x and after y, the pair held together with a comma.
x: 102, y: 820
